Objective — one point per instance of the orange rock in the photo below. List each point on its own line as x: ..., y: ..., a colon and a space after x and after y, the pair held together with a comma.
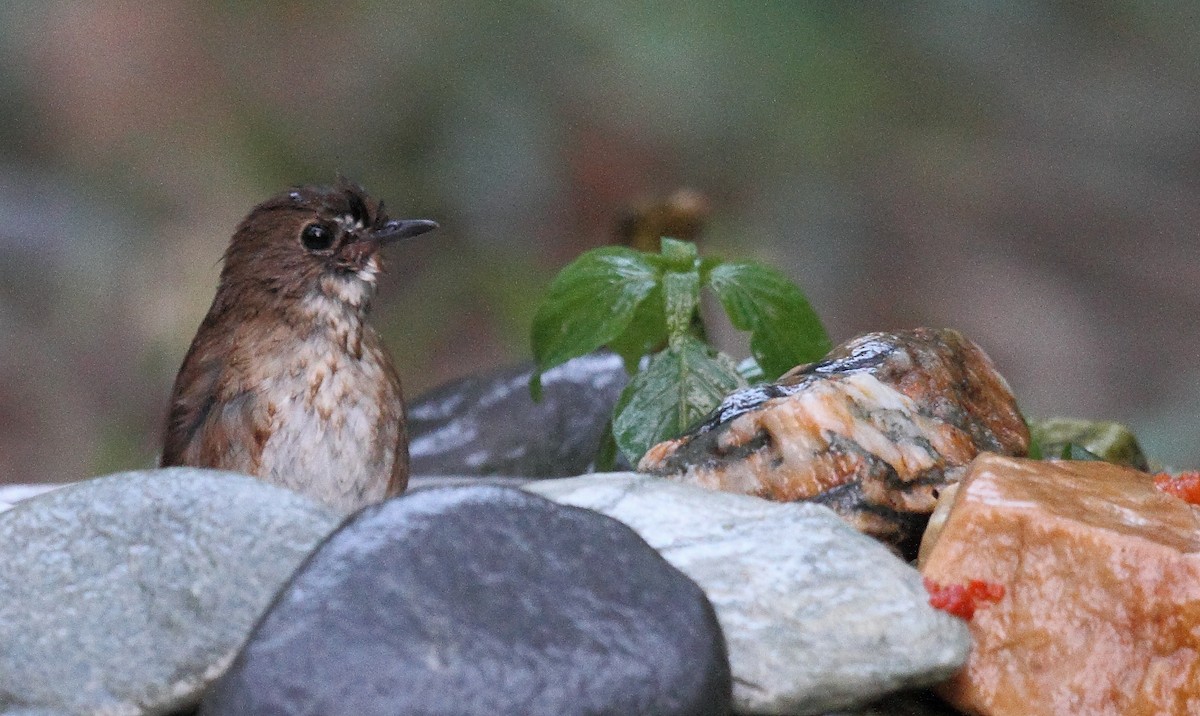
x: 1101, y: 609
x: 873, y: 431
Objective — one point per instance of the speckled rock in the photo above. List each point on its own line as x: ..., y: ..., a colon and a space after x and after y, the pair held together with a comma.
x: 488, y: 425
x: 873, y: 431
x: 1101, y: 577
x: 12, y: 494
x: 128, y: 594
x: 481, y: 600
x: 817, y: 616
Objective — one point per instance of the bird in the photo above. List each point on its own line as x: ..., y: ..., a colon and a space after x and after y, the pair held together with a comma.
x: 286, y: 379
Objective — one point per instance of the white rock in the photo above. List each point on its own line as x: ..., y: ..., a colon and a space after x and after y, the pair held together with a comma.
x: 816, y: 615
x: 12, y: 494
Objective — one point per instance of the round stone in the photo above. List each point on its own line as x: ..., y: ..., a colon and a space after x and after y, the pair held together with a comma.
x: 130, y: 593
x: 482, y: 600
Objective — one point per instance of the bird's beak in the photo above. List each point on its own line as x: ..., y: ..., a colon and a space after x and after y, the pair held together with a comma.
x: 402, y: 229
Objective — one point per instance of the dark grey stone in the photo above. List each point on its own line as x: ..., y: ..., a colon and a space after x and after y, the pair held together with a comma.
x: 128, y: 594
x: 488, y: 425
x: 418, y: 483
x: 481, y: 600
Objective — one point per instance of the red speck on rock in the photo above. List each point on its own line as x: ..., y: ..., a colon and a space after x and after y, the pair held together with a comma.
x: 1185, y: 486
x: 962, y: 600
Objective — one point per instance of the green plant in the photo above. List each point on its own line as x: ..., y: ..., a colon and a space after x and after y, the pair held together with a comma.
x: 643, y: 304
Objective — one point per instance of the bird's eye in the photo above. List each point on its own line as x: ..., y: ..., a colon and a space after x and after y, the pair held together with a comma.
x: 316, y: 237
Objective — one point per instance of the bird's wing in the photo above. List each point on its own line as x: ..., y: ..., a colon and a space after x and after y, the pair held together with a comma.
x: 390, y: 393
x: 210, y: 425
x: 398, y: 480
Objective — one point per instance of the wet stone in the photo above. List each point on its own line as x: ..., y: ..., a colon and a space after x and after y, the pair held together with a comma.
x: 481, y: 600
x: 817, y: 616
x: 128, y: 594
x: 489, y: 425
x: 873, y: 431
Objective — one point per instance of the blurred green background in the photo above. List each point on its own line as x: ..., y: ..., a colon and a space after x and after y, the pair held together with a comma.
x: 1026, y: 172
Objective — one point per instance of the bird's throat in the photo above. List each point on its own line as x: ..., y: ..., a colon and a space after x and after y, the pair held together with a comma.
x: 352, y: 290
x: 339, y: 307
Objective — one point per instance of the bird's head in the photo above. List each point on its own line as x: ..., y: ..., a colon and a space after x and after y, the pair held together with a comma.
x: 315, y: 243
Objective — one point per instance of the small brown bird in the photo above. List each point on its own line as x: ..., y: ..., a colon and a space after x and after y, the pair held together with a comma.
x: 285, y: 378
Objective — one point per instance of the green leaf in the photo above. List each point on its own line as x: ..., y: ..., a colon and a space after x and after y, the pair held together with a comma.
x: 682, y: 385
x: 784, y: 329
x: 1035, y: 443
x: 707, y: 264
x: 682, y: 295
x: 679, y: 255
x: 606, y: 455
x: 645, y: 334
x: 591, y: 302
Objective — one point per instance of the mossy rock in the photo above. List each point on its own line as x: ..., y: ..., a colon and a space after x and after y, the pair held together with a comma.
x: 1108, y: 441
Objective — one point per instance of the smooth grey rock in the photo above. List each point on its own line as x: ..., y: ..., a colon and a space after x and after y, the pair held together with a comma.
x: 476, y: 601
x: 489, y: 425
x: 12, y: 494
x: 128, y: 594
x: 817, y: 616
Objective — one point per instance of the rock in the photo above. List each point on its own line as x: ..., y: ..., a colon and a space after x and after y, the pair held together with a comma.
x: 937, y: 521
x: 12, y: 494
x: 1111, y: 442
x: 873, y: 431
x: 127, y: 594
x: 489, y: 425
x: 1101, y: 573
x: 418, y: 483
x: 481, y: 600
x: 817, y: 616
x: 907, y: 703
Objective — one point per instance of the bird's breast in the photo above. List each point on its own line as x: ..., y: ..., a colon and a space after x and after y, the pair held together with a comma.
x: 335, y: 419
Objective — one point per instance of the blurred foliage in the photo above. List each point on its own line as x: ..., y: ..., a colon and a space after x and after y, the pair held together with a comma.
x: 1009, y: 169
